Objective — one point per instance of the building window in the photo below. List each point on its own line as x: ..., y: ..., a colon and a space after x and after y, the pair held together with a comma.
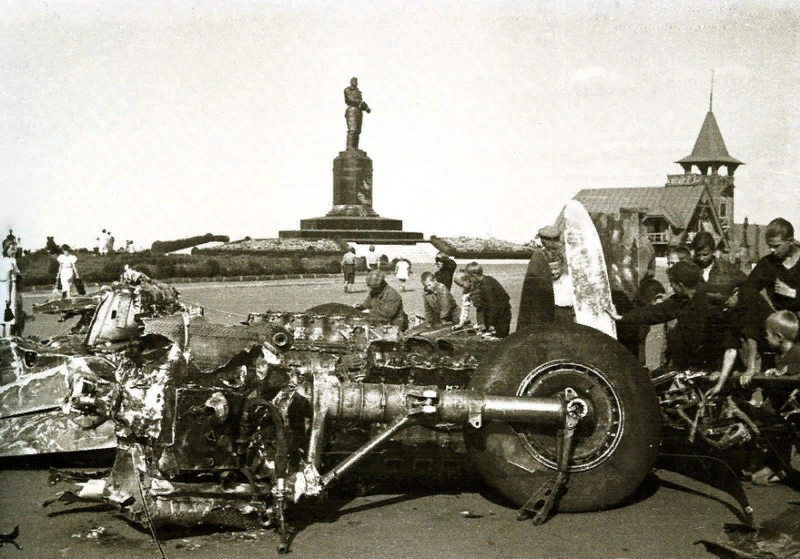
x: 723, y: 209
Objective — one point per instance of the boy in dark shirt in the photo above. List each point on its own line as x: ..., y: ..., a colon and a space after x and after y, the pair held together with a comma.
x: 779, y: 272
x: 492, y: 306
x: 700, y: 339
x: 445, y: 268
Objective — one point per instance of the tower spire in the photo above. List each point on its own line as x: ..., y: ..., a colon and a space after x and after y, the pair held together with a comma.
x: 711, y: 97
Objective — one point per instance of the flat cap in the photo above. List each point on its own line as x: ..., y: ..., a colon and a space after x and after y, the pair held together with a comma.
x: 549, y: 232
x: 375, y: 278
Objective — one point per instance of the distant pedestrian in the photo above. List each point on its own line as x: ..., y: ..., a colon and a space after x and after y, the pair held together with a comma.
x: 349, y: 269
x: 372, y: 258
x: 11, y: 305
x: 110, y: 244
x: 445, y: 268
x: 401, y: 271
x: 67, y: 273
x: 103, y: 243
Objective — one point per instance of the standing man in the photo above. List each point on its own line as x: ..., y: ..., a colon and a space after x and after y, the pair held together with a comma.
x: 349, y: 268
x: 556, y: 254
x: 384, y: 304
x: 779, y: 272
x: 354, y: 113
x: 492, y: 306
x: 103, y: 242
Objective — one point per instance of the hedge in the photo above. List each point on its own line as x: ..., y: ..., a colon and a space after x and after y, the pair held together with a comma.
x: 180, y: 244
x: 447, y: 245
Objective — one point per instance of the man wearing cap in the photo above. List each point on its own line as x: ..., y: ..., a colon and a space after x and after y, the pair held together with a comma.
x: 384, y: 304
x: 702, y: 337
x: 550, y: 238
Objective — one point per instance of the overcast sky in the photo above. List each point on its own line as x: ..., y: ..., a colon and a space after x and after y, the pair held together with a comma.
x: 166, y: 120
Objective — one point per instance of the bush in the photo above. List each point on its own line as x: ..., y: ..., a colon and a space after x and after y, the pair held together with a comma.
x: 111, y: 271
x: 179, y: 244
x: 213, y: 267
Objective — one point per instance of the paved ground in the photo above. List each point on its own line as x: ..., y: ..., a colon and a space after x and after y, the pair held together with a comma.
x: 664, y: 521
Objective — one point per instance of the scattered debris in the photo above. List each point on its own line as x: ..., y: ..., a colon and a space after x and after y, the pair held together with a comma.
x: 777, y: 538
x: 96, y: 533
x: 470, y: 514
x: 186, y: 544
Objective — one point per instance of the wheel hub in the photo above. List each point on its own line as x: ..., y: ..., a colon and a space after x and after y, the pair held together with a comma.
x: 598, y: 433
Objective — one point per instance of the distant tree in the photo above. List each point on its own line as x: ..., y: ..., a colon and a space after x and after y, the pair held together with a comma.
x: 52, y: 247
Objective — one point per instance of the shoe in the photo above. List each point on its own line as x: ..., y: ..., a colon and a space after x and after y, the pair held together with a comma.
x: 766, y: 476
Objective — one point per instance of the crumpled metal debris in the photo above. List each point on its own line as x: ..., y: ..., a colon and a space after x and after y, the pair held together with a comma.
x: 776, y: 538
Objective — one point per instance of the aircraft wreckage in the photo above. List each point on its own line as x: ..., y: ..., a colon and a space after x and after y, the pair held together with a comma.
x: 232, y: 424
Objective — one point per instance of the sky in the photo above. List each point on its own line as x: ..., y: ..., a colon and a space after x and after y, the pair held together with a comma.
x: 163, y: 120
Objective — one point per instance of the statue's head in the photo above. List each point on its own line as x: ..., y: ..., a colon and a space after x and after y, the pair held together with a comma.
x: 354, y: 82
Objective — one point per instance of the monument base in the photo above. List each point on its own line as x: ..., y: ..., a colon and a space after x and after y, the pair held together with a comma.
x: 352, y: 210
x: 357, y: 236
x: 352, y: 217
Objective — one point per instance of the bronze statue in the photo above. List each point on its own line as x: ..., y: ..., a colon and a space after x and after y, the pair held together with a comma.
x: 353, y: 114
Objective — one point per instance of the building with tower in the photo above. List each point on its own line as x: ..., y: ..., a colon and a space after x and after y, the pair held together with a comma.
x: 699, y: 199
x: 710, y: 157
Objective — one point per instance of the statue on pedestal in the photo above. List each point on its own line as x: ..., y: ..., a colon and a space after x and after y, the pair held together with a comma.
x: 354, y: 113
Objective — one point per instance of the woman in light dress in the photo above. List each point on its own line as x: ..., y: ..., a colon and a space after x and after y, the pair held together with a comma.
x: 8, y: 289
x: 401, y: 271
x: 67, y: 273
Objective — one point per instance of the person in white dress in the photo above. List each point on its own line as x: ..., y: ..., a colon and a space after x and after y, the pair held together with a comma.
x: 66, y: 272
x: 9, y: 273
x: 401, y: 271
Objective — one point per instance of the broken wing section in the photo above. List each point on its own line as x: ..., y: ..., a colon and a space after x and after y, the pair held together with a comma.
x: 35, y: 382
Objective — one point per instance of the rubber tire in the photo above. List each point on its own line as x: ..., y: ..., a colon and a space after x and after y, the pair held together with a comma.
x: 495, y: 445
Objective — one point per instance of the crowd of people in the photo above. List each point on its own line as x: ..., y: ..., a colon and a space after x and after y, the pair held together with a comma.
x: 730, y: 323
x: 481, y: 292
x: 717, y: 315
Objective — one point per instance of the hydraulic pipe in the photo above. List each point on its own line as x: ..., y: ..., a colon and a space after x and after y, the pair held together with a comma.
x: 356, y: 457
x: 383, y: 403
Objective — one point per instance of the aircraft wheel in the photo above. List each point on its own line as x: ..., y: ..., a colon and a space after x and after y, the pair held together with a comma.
x: 614, y: 447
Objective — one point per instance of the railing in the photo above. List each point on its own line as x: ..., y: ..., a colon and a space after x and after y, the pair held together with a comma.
x: 659, y: 238
x: 693, y: 179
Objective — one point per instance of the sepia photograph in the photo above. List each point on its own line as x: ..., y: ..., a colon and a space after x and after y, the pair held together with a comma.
x: 491, y: 279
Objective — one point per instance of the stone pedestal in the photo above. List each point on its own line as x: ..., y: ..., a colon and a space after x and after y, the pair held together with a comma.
x: 352, y: 217
x: 352, y: 184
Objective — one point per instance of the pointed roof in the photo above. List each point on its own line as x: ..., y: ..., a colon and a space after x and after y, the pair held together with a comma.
x: 710, y: 147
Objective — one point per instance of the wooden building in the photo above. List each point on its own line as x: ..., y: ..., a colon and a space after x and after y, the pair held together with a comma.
x: 700, y: 199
